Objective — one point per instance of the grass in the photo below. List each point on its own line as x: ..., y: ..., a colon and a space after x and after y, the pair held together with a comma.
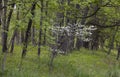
x: 83, y: 63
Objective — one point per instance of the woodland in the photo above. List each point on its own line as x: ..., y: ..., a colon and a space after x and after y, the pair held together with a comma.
x: 59, y: 38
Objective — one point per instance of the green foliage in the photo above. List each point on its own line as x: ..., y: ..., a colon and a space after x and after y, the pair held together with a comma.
x: 81, y: 63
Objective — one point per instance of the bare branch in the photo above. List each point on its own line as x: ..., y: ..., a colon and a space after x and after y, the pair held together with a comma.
x: 94, y: 13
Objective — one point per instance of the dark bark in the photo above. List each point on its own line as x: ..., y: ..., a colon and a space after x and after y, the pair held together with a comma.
x: 45, y: 29
x: 0, y: 17
x: 0, y: 10
x: 44, y: 41
x: 95, y: 40
x: 13, y: 40
x: 62, y: 43
x: 86, y: 44
x: 95, y: 36
x: 40, y: 30
x: 118, y: 54
x: 33, y: 35
x: 4, y: 27
x: 14, y: 33
x: 112, y: 40
x: 85, y: 13
x: 10, y: 15
x: 4, y: 34
x: 22, y: 36
x: 95, y: 12
x: 52, y: 56
x: 79, y: 42
x: 25, y: 43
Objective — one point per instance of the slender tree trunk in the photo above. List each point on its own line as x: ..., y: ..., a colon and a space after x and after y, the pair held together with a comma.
x: 79, y: 42
x: 52, y: 56
x: 95, y: 36
x: 45, y: 29
x: 13, y: 40
x: 4, y: 27
x: 4, y: 34
x: 0, y: 10
x: 22, y: 36
x: 33, y: 35
x: 44, y: 41
x: 0, y: 19
x: 118, y: 49
x: 25, y: 43
x: 40, y: 31
x: 10, y: 15
x: 14, y: 33
x: 113, y: 39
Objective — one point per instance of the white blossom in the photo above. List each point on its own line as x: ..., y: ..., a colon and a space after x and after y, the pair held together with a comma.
x: 81, y: 31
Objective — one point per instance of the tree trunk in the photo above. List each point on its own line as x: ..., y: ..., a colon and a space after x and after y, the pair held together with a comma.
x: 33, y: 35
x: 40, y: 31
x: 95, y: 40
x: 14, y: 33
x: 44, y: 41
x: 80, y: 42
x: 45, y: 29
x: 113, y: 39
x: 13, y: 40
x: 4, y: 27
x: 4, y: 34
x: 0, y: 18
x: 0, y: 10
x: 25, y: 43
x: 95, y: 35
x: 22, y: 36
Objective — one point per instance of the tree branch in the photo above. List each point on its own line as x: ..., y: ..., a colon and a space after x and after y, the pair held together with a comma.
x: 95, y: 12
x: 103, y: 25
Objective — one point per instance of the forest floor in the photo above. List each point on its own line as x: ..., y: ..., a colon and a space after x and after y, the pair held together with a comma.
x: 83, y: 63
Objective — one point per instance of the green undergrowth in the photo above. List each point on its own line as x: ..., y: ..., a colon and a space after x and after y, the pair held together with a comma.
x: 82, y: 63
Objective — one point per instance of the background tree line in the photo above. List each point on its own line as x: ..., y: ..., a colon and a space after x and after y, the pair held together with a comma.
x: 30, y: 22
